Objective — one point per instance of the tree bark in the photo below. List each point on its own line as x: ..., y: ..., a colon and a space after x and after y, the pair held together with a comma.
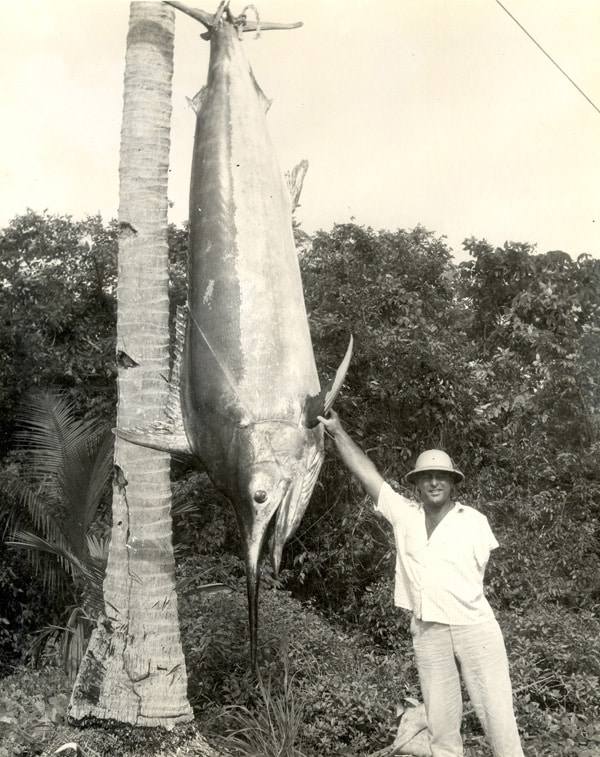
x: 134, y: 670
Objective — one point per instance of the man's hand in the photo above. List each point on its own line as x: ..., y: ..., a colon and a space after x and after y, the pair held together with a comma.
x: 332, y: 423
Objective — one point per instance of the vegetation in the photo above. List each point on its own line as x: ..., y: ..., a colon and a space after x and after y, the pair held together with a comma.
x: 59, y: 513
x: 495, y: 359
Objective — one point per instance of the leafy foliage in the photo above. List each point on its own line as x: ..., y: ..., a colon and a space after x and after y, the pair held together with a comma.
x: 24, y: 607
x: 394, y: 292
x: 536, y: 319
x: 57, y: 311
x: 494, y: 360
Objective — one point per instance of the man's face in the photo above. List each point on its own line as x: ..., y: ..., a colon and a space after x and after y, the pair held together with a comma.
x: 435, y: 488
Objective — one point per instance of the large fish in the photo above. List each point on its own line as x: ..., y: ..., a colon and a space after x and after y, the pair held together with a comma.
x: 248, y: 389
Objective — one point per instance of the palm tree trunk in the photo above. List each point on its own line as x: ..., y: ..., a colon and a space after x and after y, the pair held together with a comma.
x: 134, y: 669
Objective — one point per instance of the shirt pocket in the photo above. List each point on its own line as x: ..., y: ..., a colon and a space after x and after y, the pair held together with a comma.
x: 414, y: 547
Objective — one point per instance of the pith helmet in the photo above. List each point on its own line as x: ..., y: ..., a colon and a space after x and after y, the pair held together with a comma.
x: 434, y: 459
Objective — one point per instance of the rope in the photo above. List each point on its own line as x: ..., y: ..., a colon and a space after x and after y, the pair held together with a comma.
x: 550, y: 58
x: 242, y: 17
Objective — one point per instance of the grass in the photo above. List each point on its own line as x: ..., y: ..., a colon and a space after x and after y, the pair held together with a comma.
x: 273, y: 729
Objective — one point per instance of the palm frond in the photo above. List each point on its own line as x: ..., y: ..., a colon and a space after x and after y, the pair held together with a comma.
x: 38, y: 544
x: 48, y: 427
x: 102, y: 465
x: 28, y: 504
x: 68, y: 461
x: 65, y: 464
x: 44, y: 512
x: 72, y: 637
x: 83, y: 483
x: 93, y: 588
x: 98, y: 547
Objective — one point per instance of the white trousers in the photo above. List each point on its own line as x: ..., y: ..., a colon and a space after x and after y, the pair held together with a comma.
x: 477, y: 652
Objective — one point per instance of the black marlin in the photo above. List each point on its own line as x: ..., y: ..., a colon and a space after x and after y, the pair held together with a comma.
x: 248, y: 389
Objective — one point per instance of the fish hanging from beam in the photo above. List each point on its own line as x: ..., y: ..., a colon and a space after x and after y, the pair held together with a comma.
x: 245, y: 392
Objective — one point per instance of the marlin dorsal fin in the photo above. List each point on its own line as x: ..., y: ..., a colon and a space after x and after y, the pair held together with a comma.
x: 295, y: 181
x: 173, y: 407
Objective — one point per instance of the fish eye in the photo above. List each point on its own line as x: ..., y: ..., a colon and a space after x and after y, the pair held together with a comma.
x: 260, y: 496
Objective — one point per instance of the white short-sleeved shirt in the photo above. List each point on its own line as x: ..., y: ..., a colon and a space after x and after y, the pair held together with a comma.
x: 440, y: 578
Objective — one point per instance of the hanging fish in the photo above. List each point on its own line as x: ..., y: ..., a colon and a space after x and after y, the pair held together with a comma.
x: 246, y: 393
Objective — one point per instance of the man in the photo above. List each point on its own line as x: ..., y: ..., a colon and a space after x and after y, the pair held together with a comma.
x: 442, y: 549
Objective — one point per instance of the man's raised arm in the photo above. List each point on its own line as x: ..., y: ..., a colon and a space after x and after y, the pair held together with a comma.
x: 352, y: 456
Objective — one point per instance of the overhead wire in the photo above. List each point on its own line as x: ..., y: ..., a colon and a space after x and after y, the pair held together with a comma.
x: 550, y: 58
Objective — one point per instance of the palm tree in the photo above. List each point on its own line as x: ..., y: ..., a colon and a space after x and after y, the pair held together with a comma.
x: 134, y: 669
x: 63, y: 471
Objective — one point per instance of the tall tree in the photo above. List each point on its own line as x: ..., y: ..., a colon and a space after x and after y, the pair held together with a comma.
x: 57, y: 314
x: 134, y: 669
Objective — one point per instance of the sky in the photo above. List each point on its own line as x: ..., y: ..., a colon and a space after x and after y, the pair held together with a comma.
x: 441, y: 113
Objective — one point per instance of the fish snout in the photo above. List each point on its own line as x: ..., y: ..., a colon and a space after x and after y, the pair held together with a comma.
x: 255, y: 514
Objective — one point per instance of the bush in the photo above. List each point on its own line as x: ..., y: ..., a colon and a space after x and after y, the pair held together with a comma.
x: 548, y: 551
x: 385, y: 624
x: 555, y: 664
x: 347, y: 692
x: 24, y: 607
x: 32, y: 705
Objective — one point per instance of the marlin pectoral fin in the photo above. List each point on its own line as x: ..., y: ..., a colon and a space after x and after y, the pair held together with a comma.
x: 321, y: 403
x: 173, y: 406
x: 170, y: 436
x: 158, y: 436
